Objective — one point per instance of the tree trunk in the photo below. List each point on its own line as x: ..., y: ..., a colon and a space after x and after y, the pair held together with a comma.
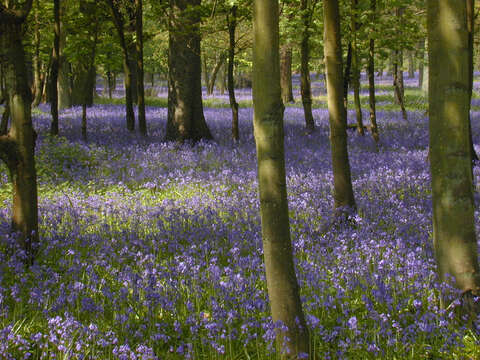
x: 421, y: 52
x: 232, y: 24
x: 213, y: 76
x: 371, y: 76
x: 286, y: 74
x: 5, y: 118
x: 55, y: 68
x: 119, y: 25
x: 356, y: 71
x: 397, y: 85
x: 18, y: 146
x: 37, y: 83
x: 411, y: 64
x: 64, y: 68
x: 185, y: 109
x: 206, y: 76
x: 346, y: 78
x: 305, y: 87
x: 342, y: 191
x: 470, y: 26
x: 454, y: 235
x: 283, y: 290
x: 142, y: 122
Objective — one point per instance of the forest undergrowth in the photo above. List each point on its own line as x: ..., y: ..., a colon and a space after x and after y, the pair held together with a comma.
x: 153, y: 250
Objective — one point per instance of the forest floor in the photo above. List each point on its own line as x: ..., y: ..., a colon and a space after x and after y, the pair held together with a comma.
x: 153, y: 250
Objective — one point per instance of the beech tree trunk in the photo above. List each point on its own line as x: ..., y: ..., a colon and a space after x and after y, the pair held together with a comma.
x: 232, y: 24
x: 454, y: 237
x: 371, y: 77
x: 286, y: 74
x: 18, y: 146
x: 397, y: 84
x: 37, y: 81
x: 305, y: 86
x: 185, y: 109
x: 142, y: 121
x: 55, y: 68
x: 118, y: 20
x: 346, y: 77
x: 470, y: 27
x: 421, y: 53
x: 342, y: 183
x: 283, y: 290
x: 64, y: 68
x: 356, y: 71
x: 213, y: 76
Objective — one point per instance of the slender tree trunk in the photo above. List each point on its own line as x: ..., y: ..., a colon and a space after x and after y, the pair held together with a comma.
x: 371, y: 76
x: 206, y: 76
x: 470, y: 26
x: 185, y: 109
x: 213, y: 76
x: 397, y: 85
x: 343, y: 191
x: 421, y: 52
x: 356, y: 70
x: 142, y: 122
x: 454, y: 235
x: 232, y: 24
x: 346, y: 77
x: 64, y: 76
x: 5, y: 118
x: 18, y: 146
x: 283, y: 290
x: 286, y: 74
x: 37, y: 83
x: 305, y: 87
x: 411, y: 64
x: 119, y: 25
x: 55, y: 68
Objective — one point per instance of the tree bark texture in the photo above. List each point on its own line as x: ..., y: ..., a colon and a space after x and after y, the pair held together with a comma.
x: 18, y: 146
x: 347, y: 73
x: 37, y: 79
x: 397, y: 84
x: 283, y: 291
x: 356, y: 70
x: 286, y: 74
x: 55, y: 68
x: 454, y: 235
x: 232, y: 24
x: 305, y: 86
x: 119, y: 21
x: 64, y: 67
x: 213, y: 75
x: 185, y: 109
x: 142, y: 121
x: 470, y: 27
x: 342, y: 192
x: 371, y: 76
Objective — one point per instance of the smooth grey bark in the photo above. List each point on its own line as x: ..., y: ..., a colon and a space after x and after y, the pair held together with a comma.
x: 342, y: 183
x: 283, y: 290
x: 421, y: 53
x: 454, y: 237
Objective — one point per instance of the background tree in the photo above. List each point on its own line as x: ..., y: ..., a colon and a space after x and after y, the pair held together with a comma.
x: 342, y: 192
x: 283, y: 291
x: 454, y: 236
x: 185, y: 109
x: 55, y: 68
x: 18, y: 146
